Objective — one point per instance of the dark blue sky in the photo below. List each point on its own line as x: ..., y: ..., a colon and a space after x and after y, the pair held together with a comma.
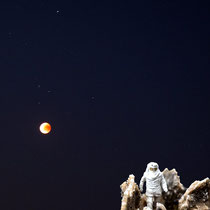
x: 122, y: 84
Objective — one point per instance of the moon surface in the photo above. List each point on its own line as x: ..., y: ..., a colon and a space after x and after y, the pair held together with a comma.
x: 45, y: 128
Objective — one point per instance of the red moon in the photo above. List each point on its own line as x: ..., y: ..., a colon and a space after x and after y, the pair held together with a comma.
x: 45, y: 128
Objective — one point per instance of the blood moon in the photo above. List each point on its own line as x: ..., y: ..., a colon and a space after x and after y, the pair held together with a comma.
x: 45, y: 128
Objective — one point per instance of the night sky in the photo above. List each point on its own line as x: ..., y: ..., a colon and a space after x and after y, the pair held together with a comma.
x: 122, y: 83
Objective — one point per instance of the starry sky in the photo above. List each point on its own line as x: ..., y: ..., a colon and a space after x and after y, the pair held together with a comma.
x: 122, y: 83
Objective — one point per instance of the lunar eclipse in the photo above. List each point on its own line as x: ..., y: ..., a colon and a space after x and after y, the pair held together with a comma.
x: 45, y: 128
